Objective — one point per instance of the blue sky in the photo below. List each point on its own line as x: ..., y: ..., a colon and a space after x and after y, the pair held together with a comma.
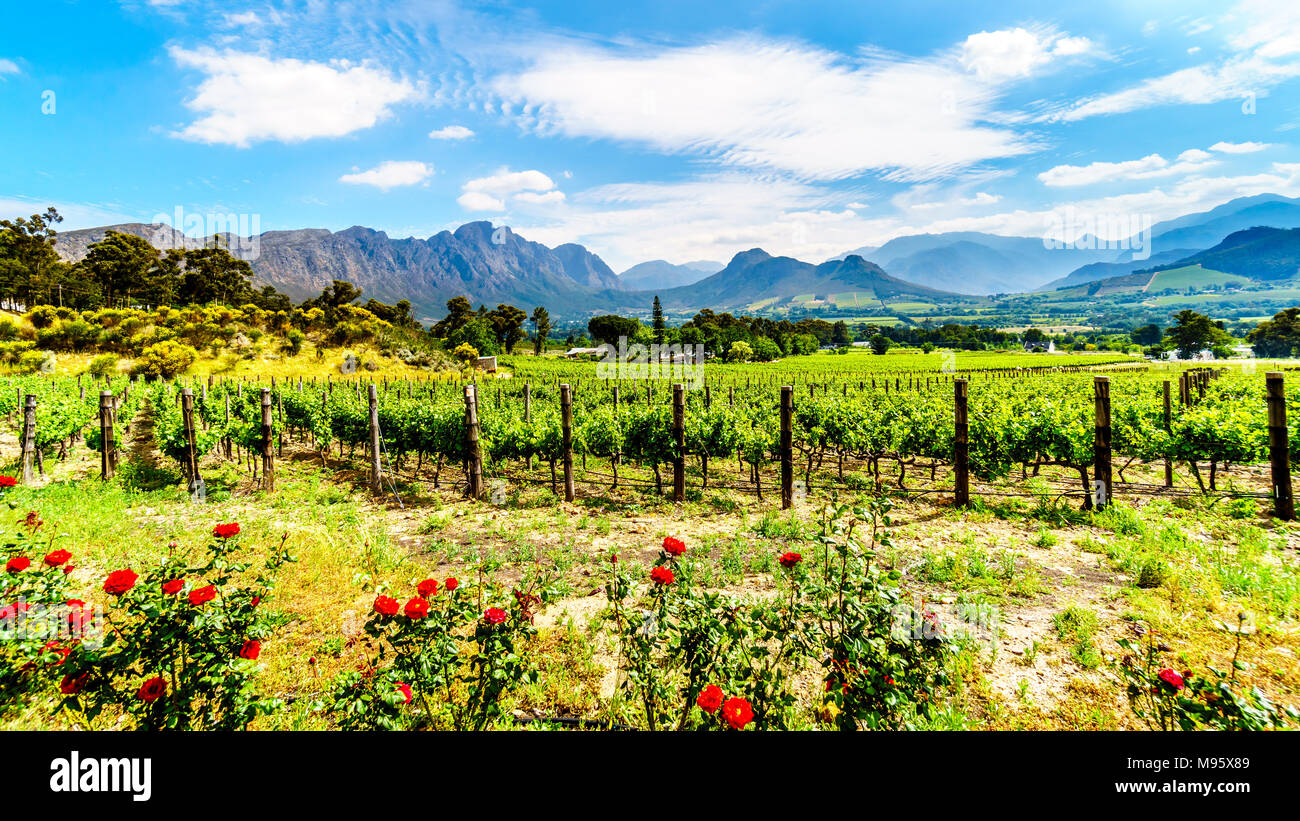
x: 673, y: 130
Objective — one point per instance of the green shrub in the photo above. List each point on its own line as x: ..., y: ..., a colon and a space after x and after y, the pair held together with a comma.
x: 103, y: 365
x: 166, y: 359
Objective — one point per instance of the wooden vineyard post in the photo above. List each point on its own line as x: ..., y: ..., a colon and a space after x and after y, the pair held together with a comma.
x: 105, y: 434
x: 1279, y: 456
x: 787, y: 447
x: 376, y: 483
x: 474, y: 462
x: 679, y: 440
x: 528, y: 416
x: 29, y: 436
x: 187, y: 430
x: 268, y: 448
x: 566, y: 438
x: 960, y: 443
x: 1101, y: 442
x: 1169, y: 463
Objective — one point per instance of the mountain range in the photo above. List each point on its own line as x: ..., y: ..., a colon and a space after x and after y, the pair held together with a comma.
x: 494, y: 264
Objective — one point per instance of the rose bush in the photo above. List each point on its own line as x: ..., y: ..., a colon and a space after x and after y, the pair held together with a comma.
x: 180, y: 643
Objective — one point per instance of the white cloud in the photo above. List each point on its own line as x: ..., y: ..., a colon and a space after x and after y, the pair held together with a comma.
x: 549, y: 198
x: 1273, y: 29
x: 1018, y: 52
x: 1152, y: 165
x: 245, y: 18
x: 1232, y: 79
x: 451, y: 132
x: 1239, y: 148
x: 8, y: 66
x: 246, y: 98
x: 391, y: 174
x: 478, y: 201
x: 505, y: 181
x: 767, y: 105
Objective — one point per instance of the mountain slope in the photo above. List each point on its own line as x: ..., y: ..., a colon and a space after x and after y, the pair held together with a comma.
x: 427, y: 272
x: 754, y: 277
x: 1262, y: 253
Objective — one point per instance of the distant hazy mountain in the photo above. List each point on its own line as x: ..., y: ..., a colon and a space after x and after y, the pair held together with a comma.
x: 1178, y: 238
x: 485, y: 264
x: 971, y: 262
x: 755, y: 276
x: 659, y: 274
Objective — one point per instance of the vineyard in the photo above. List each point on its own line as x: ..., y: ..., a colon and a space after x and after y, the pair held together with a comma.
x: 1202, y: 430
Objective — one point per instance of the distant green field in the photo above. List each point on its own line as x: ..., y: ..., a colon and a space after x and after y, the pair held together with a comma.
x: 911, y: 307
x: 1193, y: 276
x: 857, y: 299
x: 1271, y: 295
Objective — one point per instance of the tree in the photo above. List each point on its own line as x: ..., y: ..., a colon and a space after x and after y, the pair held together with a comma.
x: 459, y: 312
x: 507, y: 323
x: 1147, y: 335
x: 657, y: 322
x: 541, y: 320
x: 1193, y: 332
x: 765, y: 350
x: 121, y: 265
x: 880, y: 344
x: 740, y: 352
x: 477, y: 333
x: 1277, y: 337
x: 337, y: 294
x: 609, y: 328
x: 27, y: 255
x: 840, y: 333
x: 214, y: 275
x: 1034, y: 335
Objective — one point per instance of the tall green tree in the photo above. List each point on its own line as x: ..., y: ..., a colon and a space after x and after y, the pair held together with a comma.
x: 27, y: 257
x: 459, y: 312
x: 215, y: 275
x: 610, y: 327
x: 508, y: 324
x: 657, y: 322
x: 541, y: 320
x: 1193, y: 332
x: 122, y: 265
x: 1277, y: 337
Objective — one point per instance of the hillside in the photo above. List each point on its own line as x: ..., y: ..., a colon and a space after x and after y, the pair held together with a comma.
x: 658, y: 273
x: 1262, y: 253
x: 754, y: 276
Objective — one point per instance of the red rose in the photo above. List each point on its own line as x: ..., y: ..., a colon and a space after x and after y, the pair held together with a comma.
x: 674, y: 547
x: 385, y: 605
x: 120, y: 581
x: 18, y: 564
x: 1172, y: 679
x: 737, y: 712
x: 8, y: 481
x: 226, y: 531
x: 79, y: 616
x: 790, y: 559
x: 255, y: 601
x: 203, y: 595
x: 173, y: 587
x: 427, y: 588
x: 494, y: 615
x: 71, y: 685
x: 251, y: 649
x: 152, y: 689
x: 405, y: 690
x: 451, y: 584
x: 710, y: 699
x: 662, y: 575
x: 67, y: 568
x: 57, y: 557
x: 416, y: 608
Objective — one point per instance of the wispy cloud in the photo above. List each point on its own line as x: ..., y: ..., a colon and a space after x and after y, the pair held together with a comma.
x: 766, y: 104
